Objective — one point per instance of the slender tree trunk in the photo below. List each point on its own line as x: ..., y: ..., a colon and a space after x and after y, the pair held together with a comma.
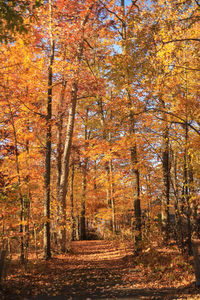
x: 65, y: 163
x: 69, y: 136
x: 60, y: 137
x: 27, y: 202
x: 35, y: 242
x: 178, y: 221
x: 112, y: 197
x: 72, y: 201
x: 95, y: 175
x: 83, y: 198
x: 21, y: 229
x: 133, y: 148
x: 108, y: 167
x: 136, y: 197
x: 186, y: 173
x: 59, y: 153
x: 104, y: 136
x: 187, y: 194
x: 149, y: 195
x: 135, y: 179
x: 47, y: 176
x: 84, y: 183
x: 166, y: 175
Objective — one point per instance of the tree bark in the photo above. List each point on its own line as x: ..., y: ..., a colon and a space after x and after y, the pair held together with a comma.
x: 196, y: 264
x: 59, y: 153
x: 84, y: 183
x: 136, y: 197
x: 186, y: 190
x: 178, y: 221
x: 73, y: 233
x: 166, y: 175
x: 69, y: 136
x: 47, y: 176
x: 186, y: 194
x: 65, y: 162
x: 83, y: 198
x: 113, y: 223
x: 104, y: 136
x: 59, y: 137
x: 133, y: 148
x: 21, y: 228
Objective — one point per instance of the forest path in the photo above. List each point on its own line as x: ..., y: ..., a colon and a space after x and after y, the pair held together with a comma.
x: 92, y: 270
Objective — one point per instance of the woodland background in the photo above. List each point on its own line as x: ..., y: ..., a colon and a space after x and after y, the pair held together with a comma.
x: 99, y: 123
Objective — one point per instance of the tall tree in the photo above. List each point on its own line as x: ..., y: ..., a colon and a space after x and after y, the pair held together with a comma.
x: 47, y: 176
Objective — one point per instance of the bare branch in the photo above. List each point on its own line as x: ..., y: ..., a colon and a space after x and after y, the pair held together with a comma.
x: 182, y: 40
x: 174, y: 115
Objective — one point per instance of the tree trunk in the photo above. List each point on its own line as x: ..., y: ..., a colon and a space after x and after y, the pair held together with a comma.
x: 83, y: 198
x: 47, y: 176
x: 21, y: 227
x: 186, y: 194
x: 178, y: 221
x: 69, y: 136
x: 27, y: 202
x: 104, y: 136
x: 186, y: 189
x: 65, y: 163
x: 133, y: 148
x: 59, y: 137
x: 113, y: 223
x: 59, y: 154
x: 135, y: 180
x: 136, y: 198
x: 166, y: 175
x: 2, y: 263
x: 84, y: 183
x: 73, y: 233
x: 196, y: 264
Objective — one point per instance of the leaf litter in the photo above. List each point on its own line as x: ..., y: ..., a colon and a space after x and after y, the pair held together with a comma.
x: 102, y: 269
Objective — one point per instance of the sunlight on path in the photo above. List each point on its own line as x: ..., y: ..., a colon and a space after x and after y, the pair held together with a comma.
x: 94, y: 270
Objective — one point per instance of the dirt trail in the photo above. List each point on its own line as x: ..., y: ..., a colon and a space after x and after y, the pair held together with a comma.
x: 92, y: 270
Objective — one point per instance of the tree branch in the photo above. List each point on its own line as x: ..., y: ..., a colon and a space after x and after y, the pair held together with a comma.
x: 182, y: 40
x: 172, y: 114
x: 197, y: 3
x: 112, y: 12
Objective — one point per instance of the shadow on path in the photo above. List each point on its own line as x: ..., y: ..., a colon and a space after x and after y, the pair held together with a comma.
x: 93, y: 270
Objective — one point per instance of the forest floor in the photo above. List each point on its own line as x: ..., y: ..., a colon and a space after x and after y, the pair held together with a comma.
x: 102, y: 269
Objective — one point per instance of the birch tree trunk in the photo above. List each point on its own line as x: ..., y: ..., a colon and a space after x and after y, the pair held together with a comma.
x: 59, y: 137
x: 59, y: 153
x: 65, y: 163
x: 69, y: 136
